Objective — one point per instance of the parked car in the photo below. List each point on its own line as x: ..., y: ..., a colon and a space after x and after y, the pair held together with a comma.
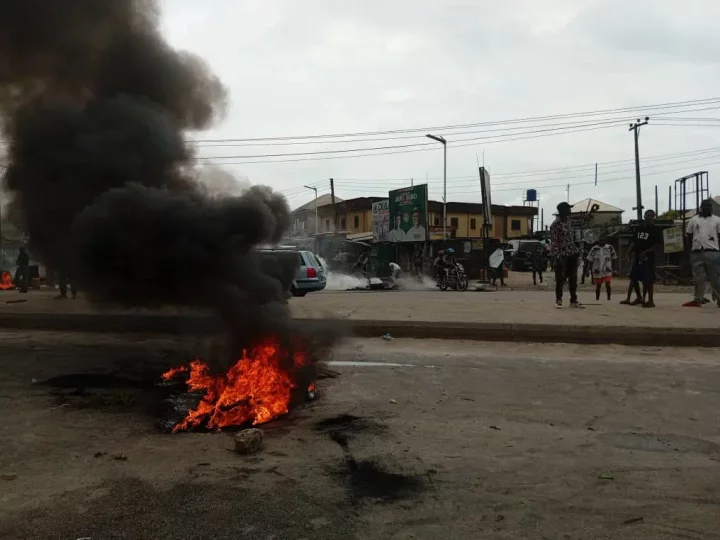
x: 300, y: 271
x: 522, y: 260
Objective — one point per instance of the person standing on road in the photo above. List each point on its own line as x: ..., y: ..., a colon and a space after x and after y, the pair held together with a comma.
x: 601, y: 262
x: 63, y: 286
x: 417, y: 260
x: 538, y: 261
x: 566, y: 254
x: 646, y: 241
x: 497, y: 267
x: 22, y: 274
x: 585, y: 263
x: 703, y: 232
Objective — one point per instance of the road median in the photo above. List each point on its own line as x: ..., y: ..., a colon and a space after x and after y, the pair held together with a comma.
x: 200, y: 324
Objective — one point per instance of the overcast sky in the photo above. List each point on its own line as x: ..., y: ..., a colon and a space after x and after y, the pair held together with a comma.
x: 321, y: 66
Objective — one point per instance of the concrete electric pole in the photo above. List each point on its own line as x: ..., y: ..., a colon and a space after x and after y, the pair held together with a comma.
x: 635, y: 128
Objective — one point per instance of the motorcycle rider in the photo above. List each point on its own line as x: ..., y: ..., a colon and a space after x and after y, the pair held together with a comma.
x: 449, y: 261
x: 438, y: 264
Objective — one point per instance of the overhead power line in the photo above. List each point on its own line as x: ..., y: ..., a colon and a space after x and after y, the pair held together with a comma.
x: 409, y: 148
x: 643, y: 108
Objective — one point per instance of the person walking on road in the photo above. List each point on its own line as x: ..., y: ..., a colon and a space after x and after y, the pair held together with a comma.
x: 538, y: 261
x: 63, y: 285
x: 417, y: 260
x: 566, y: 254
x: 601, y: 263
x: 22, y: 274
x: 703, y: 232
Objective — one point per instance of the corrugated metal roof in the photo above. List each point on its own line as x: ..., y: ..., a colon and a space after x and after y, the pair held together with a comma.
x: 321, y: 200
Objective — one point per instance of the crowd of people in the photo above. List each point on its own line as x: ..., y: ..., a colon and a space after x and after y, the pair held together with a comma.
x: 703, y: 234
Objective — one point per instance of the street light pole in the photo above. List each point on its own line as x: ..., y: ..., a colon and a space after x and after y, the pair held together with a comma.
x: 638, y: 189
x: 316, y: 212
x: 442, y: 141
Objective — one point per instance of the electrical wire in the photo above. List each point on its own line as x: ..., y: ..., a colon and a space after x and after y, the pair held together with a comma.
x: 229, y: 143
x: 408, y: 151
x: 668, y: 105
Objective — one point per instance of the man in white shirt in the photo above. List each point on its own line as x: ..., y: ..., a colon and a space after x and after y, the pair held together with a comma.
x: 394, y: 273
x: 703, y: 232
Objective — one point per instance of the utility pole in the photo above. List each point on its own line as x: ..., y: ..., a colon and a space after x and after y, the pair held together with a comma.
x: 656, y: 201
x: 635, y: 128
x: 332, y: 196
x: 442, y: 141
x: 568, y: 193
x: 669, y: 198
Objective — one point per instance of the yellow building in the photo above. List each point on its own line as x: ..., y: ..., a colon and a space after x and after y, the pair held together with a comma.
x: 353, y: 216
x: 465, y: 220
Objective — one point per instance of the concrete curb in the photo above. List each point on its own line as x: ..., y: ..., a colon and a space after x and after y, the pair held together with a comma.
x: 193, y: 325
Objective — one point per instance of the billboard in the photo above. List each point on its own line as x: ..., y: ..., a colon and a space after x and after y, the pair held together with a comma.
x: 408, y: 214
x: 485, y: 192
x: 673, y: 239
x: 381, y: 220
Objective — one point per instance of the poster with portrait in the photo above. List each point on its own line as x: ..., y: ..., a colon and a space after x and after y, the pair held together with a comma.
x: 381, y: 220
x: 408, y: 214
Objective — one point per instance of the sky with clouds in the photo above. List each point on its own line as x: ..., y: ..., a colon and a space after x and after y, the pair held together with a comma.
x: 296, y: 68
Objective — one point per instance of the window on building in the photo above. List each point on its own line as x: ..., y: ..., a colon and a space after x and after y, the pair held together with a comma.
x: 454, y: 222
x: 473, y: 224
x: 515, y: 225
x: 356, y: 222
x: 436, y: 221
x: 342, y: 224
x: 327, y: 224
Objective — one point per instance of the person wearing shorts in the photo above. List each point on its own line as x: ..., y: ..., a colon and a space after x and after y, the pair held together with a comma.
x: 646, y: 239
x: 601, y: 263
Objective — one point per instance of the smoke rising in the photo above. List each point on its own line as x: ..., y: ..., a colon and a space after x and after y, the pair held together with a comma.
x: 96, y: 107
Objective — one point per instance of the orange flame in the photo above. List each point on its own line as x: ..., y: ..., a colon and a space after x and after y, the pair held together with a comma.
x: 6, y: 281
x: 256, y: 389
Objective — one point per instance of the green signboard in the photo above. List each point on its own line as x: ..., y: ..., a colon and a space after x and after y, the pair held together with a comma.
x: 408, y: 214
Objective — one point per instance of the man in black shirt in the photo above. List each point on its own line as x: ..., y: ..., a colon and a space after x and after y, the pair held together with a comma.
x: 645, y: 241
x: 22, y: 274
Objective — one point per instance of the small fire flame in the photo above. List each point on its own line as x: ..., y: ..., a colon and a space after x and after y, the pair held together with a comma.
x: 6, y: 281
x: 256, y: 389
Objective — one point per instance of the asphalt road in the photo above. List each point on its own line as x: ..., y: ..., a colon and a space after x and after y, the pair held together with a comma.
x: 410, y: 439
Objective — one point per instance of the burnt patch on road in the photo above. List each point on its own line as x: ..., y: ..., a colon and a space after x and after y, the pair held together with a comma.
x: 368, y: 479
x: 652, y: 442
x: 103, y: 391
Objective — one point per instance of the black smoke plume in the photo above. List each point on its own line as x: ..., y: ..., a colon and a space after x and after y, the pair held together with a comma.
x: 96, y: 107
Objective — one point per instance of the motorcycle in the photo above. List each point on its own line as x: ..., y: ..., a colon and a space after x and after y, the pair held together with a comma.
x: 454, y: 278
